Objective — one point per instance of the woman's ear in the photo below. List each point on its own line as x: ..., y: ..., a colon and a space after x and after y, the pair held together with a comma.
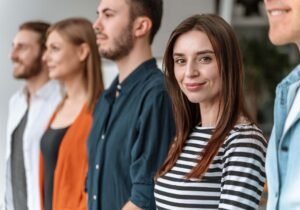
x: 83, y: 51
x: 142, y: 26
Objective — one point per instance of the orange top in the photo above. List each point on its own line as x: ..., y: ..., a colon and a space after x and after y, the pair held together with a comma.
x: 71, y: 167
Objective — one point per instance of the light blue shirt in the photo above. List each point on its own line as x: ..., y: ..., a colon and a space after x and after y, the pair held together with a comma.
x: 283, y: 154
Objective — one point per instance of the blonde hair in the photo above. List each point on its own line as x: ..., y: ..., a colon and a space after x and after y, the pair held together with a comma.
x: 78, y: 31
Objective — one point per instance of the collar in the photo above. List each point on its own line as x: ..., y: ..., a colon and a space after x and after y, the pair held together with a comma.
x: 291, y: 78
x: 141, y: 72
x: 43, y: 92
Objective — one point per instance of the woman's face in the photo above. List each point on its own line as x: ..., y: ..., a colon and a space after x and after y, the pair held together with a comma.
x: 63, y: 58
x: 196, y: 68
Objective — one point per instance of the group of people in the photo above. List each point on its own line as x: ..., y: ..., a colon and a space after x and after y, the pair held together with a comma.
x: 175, y: 139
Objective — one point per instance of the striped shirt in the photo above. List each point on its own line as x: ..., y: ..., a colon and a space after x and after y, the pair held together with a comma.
x: 234, y: 179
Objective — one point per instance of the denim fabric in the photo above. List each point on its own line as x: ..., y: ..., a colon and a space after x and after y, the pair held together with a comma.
x: 283, y: 154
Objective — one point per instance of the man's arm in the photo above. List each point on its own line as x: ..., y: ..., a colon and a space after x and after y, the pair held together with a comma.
x: 155, y: 129
x: 130, y: 206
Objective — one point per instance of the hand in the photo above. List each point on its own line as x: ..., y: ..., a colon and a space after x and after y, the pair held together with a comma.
x: 130, y: 206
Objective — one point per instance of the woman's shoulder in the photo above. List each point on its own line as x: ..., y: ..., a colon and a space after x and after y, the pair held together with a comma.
x: 246, y: 133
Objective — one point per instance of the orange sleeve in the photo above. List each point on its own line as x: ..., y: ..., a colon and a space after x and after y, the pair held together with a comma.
x: 72, y: 164
x: 41, y: 180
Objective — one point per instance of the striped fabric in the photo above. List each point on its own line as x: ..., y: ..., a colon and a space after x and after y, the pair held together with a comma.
x: 234, y: 180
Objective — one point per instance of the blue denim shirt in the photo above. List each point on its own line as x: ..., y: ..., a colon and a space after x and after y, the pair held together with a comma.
x: 129, y: 140
x: 283, y: 154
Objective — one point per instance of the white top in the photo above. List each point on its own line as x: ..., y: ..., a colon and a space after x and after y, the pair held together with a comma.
x: 294, y: 111
x: 42, y: 105
x: 234, y: 179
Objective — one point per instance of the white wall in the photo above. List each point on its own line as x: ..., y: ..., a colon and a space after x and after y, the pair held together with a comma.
x: 174, y: 12
x: 14, y: 12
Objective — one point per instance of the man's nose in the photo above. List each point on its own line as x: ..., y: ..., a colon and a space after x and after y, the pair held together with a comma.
x: 98, y: 26
x: 13, y: 54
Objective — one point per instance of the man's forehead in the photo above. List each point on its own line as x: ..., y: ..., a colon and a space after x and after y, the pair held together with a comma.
x: 25, y: 36
x: 112, y: 5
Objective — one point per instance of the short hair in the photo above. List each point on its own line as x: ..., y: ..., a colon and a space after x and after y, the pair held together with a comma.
x: 39, y: 27
x: 150, y: 8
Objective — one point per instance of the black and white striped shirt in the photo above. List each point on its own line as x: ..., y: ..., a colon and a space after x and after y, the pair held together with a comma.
x: 234, y: 179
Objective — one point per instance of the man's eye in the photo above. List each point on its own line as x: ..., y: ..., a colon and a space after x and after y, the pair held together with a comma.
x: 22, y: 47
x: 108, y: 15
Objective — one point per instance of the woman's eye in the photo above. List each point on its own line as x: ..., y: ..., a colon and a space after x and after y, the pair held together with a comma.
x: 179, y: 61
x: 205, y: 59
x: 54, y: 48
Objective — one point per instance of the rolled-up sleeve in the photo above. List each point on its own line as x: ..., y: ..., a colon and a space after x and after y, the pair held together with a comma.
x: 155, y: 130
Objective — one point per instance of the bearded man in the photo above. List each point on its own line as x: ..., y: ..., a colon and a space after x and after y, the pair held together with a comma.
x: 133, y: 121
x: 29, y: 111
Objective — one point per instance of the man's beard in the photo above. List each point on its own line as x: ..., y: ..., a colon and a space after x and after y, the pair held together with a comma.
x: 122, y: 45
x: 30, y: 70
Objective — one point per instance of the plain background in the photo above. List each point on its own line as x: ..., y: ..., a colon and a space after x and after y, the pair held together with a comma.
x: 14, y: 12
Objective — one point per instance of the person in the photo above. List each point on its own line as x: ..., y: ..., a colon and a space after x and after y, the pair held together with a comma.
x: 30, y: 109
x: 283, y: 171
x: 73, y: 59
x: 133, y: 122
x: 217, y: 158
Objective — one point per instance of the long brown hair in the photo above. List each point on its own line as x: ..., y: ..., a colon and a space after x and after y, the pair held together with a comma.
x: 79, y: 31
x: 187, y: 115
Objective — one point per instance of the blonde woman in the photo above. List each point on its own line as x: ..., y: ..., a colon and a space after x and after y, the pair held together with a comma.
x: 73, y: 59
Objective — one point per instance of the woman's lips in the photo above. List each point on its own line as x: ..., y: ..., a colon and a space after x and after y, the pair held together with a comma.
x: 194, y: 86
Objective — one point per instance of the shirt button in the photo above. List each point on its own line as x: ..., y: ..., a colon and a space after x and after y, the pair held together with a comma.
x: 119, y: 87
x: 95, y: 197
x: 97, y: 166
x: 284, y: 148
x: 103, y: 137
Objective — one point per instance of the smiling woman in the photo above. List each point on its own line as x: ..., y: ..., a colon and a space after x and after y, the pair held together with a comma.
x: 196, y: 71
x: 217, y: 158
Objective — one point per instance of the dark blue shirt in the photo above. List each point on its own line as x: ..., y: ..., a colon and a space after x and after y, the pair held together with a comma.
x: 129, y: 140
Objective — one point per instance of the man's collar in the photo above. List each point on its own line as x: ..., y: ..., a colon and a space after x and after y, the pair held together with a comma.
x: 137, y: 75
